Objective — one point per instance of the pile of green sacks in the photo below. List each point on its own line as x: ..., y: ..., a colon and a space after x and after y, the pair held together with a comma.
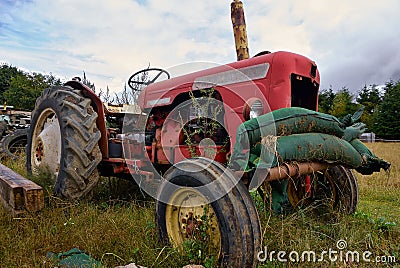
x: 302, y: 135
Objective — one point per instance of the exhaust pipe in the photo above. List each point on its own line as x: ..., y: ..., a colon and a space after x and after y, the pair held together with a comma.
x: 239, y: 30
x: 284, y: 171
x: 295, y: 170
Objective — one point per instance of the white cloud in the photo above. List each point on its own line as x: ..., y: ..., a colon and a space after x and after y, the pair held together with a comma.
x: 347, y: 39
x: 353, y: 42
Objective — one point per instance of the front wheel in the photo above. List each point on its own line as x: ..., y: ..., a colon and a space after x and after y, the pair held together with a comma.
x: 228, y: 225
x: 63, y: 142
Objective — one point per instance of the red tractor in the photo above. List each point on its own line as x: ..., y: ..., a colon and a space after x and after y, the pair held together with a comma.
x: 178, y: 147
x: 75, y: 139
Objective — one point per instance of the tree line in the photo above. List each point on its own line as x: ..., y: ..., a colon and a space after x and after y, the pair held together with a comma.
x: 21, y: 89
x: 381, y: 107
x: 381, y: 103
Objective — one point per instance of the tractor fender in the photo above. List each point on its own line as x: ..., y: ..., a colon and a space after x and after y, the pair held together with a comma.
x: 98, y: 106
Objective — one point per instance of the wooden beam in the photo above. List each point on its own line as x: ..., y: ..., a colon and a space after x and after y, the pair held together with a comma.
x: 18, y: 194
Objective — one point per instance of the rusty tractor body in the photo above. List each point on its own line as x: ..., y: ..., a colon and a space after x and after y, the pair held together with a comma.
x: 75, y: 138
x: 178, y: 142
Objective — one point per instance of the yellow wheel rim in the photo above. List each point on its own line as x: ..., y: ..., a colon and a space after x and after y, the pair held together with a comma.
x: 186, y: 213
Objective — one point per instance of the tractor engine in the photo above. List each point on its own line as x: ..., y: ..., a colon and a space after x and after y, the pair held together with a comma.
x: 180, y: 131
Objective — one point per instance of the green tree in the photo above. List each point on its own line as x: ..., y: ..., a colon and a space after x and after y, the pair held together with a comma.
x: 370, y: 98
x: 343, y: 103
x: 6, y: 74
x: 25, y: 88
x: 325, y: 100
x: 387, y: 114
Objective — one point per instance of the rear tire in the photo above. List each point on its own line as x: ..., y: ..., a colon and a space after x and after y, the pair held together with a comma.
x: 337, y: 186
x: 236, y: 228
x: 14, y: 143
x: 63, y: 142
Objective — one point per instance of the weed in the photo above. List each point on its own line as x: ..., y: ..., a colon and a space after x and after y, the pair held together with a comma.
x: 204, y: 127
x: 380, y: 223
x: 199, y: 248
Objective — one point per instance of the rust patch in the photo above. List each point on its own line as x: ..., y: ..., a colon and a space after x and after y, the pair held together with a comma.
x: 303, y: 121
x: 239, y: 30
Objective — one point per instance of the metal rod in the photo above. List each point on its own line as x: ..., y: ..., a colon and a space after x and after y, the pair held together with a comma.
x: 239, y: 30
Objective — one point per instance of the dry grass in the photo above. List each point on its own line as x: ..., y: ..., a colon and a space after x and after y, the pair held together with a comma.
x: 380, y: 192
x: 374, y: 227
x: 117, y: 229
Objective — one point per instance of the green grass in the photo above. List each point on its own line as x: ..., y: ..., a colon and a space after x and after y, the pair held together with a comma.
x: 118, y: 227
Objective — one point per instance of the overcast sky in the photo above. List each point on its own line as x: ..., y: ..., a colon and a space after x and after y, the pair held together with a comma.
x: 354, y: 43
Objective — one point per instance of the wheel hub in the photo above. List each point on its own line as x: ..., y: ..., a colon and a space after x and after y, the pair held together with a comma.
x: 185, y: 216
x: 190, y: 224
x: 46, y: 153
x: 39, y: 151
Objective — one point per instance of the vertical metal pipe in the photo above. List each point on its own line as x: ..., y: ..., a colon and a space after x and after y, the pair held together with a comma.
x: 239, y: 30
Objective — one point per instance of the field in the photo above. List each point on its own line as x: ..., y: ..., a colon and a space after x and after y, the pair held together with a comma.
x: 118, y: 228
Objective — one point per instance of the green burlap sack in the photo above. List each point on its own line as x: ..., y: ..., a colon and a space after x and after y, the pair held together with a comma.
x: 306, y: 147
x: 354, y: 131
x: 279, y: 195
x: 281, y: 122
x: 287, y: 121
x: 370, y: 162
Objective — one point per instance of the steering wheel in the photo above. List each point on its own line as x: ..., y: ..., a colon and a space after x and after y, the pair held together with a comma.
x: 143, y: 77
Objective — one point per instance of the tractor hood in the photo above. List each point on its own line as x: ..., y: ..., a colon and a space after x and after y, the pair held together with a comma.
x: 257, y: 68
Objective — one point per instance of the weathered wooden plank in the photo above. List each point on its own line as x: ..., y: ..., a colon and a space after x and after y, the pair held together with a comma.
x: 18, y: 194
x: 10, y: 192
